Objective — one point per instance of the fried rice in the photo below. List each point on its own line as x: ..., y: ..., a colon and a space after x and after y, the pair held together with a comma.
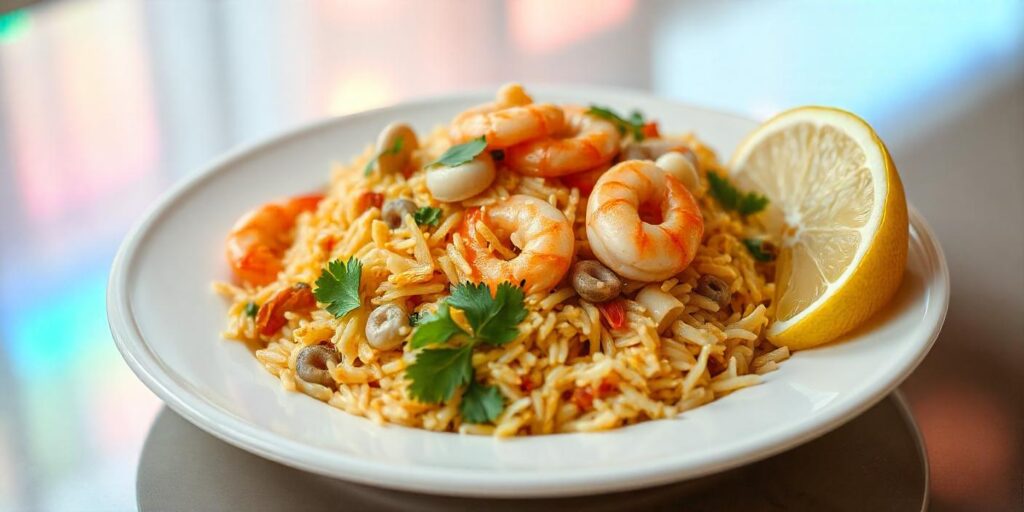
x: 567, y: 370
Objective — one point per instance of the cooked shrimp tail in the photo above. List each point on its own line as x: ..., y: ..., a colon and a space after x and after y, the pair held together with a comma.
x: 259, y: 239
x: 585, y: 142
x: 540, y: 232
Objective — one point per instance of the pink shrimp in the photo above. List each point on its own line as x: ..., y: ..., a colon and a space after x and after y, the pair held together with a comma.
x: 538, y: 230
x: 259, y: 239
x: 512, y: 119
x: 642, y: 222
x: 585, y: 143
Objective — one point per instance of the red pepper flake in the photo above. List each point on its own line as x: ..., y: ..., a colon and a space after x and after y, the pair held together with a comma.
x: 614, y: 313
x: 651, y: 130
x: 526, y: 384
x: 368, y: 199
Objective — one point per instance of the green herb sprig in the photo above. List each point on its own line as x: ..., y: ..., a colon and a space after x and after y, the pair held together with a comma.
x: 393, y: 150
x: 427, y: 216
x: 438, y: 373
x: 338, y: 286
x: 634, y: 124
x: 732, y: 198
x: 760, y: 249
x: 461, y: 153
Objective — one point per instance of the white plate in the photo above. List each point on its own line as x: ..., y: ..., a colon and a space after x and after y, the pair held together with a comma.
x: 166, y: 321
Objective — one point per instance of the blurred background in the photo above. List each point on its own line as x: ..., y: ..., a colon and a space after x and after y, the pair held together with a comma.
x: 104, y: 104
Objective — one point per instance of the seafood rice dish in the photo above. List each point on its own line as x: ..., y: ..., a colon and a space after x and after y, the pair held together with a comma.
x: 527, y: 268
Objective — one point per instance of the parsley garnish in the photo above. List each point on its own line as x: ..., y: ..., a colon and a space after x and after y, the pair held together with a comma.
x: 757, y: 249
x: 338, y: 286
x: 461, y: 153
x: 436, y: 328
x: 731, y: 198
x: 393, y: 150
x: 495, y: 319
x: 427, y: 216
x: 438, y: 372
x: 251, y: 309
x: 634, y: 124
x: 481, y: 403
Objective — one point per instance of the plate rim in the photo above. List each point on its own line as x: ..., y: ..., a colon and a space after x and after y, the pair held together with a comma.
x: 446, y: 480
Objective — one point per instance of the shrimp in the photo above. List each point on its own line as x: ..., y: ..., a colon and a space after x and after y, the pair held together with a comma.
x: 585, y: 180
x: 585, y: 143
x: 642, y: 222
x: 512, y: 119
x: 257, y: 243
x: 540, y: 231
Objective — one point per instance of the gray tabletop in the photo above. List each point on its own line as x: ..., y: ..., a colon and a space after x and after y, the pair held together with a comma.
x: 875, y: 462
x: 105, y: 104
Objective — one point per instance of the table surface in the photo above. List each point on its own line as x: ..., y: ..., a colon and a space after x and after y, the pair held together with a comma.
x: 874, y: 462
x: 104, y: 104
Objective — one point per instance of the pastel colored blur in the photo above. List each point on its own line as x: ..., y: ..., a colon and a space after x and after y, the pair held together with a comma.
x: 105, y: 104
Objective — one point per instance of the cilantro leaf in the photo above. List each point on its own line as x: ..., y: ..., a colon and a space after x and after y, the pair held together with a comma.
x: 436, y: 328
x: 435, y: 373
x: 338, y: 286
x: 251, y: 309
x: 481, y: 403
x: 438, y: 372
x: 750, y: 203
x: 461, y: 153
x: 495, y: 320
x: 393, y: 150
x: 634, y: 124
x: 760, y: 249
x: 731, y: 198
x: 427, y: 216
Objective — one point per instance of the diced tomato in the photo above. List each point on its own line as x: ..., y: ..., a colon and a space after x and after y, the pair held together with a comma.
x: 614, y: 313
x: 526, y: 384
x: 609, y: 385
x: 368, y: 199
x: 583, y: 398
x: 651, y: 130
x: 328, y: 243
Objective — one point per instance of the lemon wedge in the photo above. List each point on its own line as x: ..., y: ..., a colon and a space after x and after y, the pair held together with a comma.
x: 838, y: 205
